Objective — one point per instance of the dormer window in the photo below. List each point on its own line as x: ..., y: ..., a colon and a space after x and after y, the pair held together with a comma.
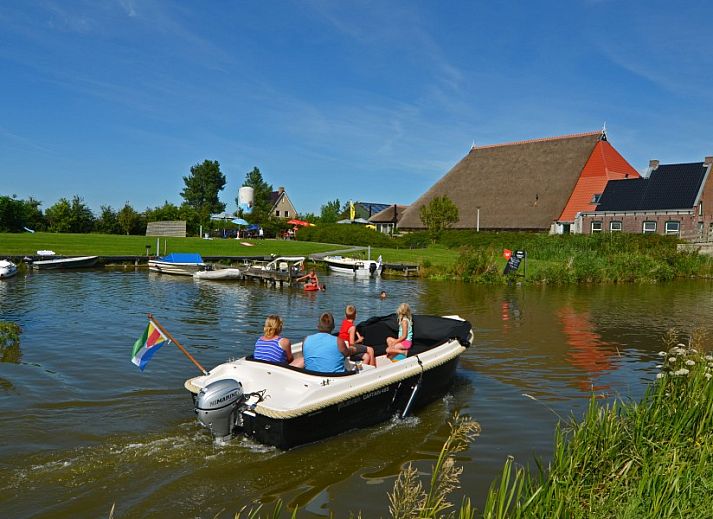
x: 595, y: 198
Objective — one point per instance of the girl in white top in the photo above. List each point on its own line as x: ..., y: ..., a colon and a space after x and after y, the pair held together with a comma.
x: 397, y: 347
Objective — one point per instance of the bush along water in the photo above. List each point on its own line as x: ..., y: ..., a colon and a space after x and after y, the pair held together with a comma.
x: 653, y: 459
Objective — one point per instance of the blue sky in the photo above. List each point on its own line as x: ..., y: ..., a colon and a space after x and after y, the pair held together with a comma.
x: 372, y: 100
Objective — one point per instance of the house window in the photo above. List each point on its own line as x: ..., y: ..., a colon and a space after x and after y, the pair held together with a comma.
x: 596, y: 227
x: 615, y: 226
x: 700, y: 208
x: 649, y: 227
x: 673, y: 228
x: 596, y: 197
x: 277, y: 213
x: 287, y: 213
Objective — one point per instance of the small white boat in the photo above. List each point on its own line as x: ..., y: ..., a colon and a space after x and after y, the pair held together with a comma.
x: 180, y: 263
x: 219, y: 274
x: 354, y: 267
x: 66, y: 263
x: 7, y: 269
x: 285, y: 406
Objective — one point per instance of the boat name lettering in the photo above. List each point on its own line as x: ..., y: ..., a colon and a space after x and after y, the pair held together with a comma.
x: 360, y: 398
x: 375, y: 392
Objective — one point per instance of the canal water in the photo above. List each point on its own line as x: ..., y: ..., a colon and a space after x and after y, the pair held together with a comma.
x: 83, y: 428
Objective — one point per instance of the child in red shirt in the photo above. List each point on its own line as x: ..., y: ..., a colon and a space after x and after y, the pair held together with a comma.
x: 348, y: 333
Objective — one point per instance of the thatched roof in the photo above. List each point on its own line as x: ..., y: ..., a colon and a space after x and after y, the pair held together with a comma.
x: 520, y: 185
x: 389, y: 215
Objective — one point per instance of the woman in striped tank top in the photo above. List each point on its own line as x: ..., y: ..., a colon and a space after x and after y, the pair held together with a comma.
x: 271, y: 347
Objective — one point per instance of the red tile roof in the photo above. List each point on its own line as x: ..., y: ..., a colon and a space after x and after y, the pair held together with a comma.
x: 603, y: 165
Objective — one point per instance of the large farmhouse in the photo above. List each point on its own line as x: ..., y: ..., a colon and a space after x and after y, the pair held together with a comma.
x: 533, y: 185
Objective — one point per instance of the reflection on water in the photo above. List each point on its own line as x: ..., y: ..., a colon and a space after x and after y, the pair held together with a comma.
x: 85, y: 428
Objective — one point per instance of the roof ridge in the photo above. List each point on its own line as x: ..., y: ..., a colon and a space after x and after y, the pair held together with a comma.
x: 541, y: 139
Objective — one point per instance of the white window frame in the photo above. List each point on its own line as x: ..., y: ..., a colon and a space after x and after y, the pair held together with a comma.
x: 644, y: 230
x: 672, y: 232
x: 599, y: 223
x: 611, y: 226
x: 700, y: 208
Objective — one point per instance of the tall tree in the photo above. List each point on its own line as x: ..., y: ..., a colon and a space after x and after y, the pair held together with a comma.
x: 262, y: 202
x: 130, y: 222
x: 202, y: 188
x: 439, y: 214
x: 11, y: 214
x: 331, y: 211
x: 66, y: 216
x: 107, y: 223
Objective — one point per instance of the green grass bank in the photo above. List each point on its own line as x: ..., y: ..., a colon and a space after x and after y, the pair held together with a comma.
x: 652, y: 459
x: 457, y: 255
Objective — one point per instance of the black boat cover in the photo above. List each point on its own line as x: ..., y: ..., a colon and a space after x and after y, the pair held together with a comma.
x: 428, y: 331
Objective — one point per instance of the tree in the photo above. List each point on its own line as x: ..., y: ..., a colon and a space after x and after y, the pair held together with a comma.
x: 130, y: 222
x: 202, y: 188
x: 32, y: 215
x: 11, y: 214
x: 331, y: 211
x: 107, y: 223
x: 439, y: 214
x: 262, y: 201
x: 166, y: 212
x: 66, y: 216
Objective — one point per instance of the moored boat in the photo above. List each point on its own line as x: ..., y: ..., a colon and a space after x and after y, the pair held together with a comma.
x: 66, y: 263
x: 284, y: 406
x: 7, y: 269
x: 354, y: 267
x: 179, y: 263
x: 226, y: 274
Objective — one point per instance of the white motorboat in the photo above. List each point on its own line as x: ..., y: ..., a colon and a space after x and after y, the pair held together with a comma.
x: 226, y: 274
x: 7, y: 269
x: 285, y: 406
x: 179, y: 263
x: 74, y: 262
x: 354, y: 267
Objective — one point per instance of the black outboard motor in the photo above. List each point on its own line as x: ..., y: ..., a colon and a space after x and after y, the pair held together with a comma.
x: 372, y: 267
x: 218, y: 405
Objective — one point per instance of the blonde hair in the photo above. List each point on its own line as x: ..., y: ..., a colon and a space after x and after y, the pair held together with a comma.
x: 404, y: 311
x: 350, y: 312
x: 273, y: 326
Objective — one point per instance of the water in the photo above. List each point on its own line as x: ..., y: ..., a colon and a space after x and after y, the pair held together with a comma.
x: 83, y: 428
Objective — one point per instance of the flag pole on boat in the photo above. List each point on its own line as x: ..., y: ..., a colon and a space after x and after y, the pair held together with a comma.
x: 174, y: 341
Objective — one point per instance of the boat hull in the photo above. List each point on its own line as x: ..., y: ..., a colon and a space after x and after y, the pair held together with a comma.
x: 7, y: 269
x: 66, y: 263
x: 219, y: 274
x: 179, y: 269
x: 356, y: 268
x: 361, y: 411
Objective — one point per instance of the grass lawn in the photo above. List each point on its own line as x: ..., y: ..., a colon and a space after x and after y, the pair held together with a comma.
x: 120, y: 245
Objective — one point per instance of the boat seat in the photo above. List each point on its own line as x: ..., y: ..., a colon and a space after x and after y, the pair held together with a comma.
x: 251, y: 358
x: 283, y: 266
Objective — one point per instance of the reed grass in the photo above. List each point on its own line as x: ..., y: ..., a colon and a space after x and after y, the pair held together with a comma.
x: 652, y: 459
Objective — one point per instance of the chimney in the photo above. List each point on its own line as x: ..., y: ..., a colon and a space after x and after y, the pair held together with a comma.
x: 653, y: 164
x: 708, y: 160
x: 281, y: 189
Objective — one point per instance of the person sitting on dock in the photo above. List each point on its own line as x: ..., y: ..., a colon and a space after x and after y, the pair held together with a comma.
x: 352, y: 337
x: 273, y: 348
x: 310, y: 278
x: 323, y: 351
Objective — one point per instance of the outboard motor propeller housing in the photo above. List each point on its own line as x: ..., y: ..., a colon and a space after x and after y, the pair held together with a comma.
x: 372, y: 268
x: 217, y: 407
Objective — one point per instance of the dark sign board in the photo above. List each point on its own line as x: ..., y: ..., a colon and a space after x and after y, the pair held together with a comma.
x: 514, y: 261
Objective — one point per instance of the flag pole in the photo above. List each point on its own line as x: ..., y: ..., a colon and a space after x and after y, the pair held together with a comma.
x: 174, y: 341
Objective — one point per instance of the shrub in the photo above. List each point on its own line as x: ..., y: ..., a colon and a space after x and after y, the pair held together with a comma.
x: 346, y: 234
